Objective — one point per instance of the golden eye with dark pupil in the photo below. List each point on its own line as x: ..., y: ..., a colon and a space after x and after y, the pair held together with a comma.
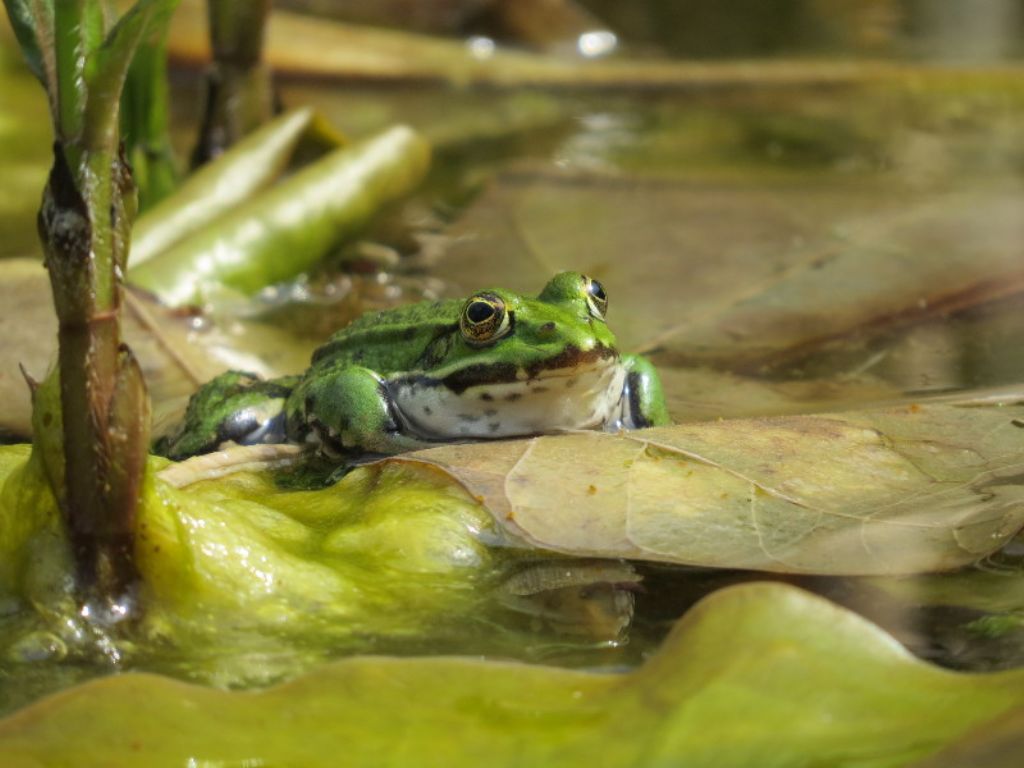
x: 484, y: 319
x: 597, y: 298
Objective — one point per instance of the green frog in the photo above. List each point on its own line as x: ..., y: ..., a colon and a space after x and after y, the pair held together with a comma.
x: 495, y: 365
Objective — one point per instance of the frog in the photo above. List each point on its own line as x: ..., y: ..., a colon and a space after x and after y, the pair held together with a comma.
x: 496, y: 365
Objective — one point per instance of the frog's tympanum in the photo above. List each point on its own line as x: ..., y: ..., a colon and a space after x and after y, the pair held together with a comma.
x: 496, y: 365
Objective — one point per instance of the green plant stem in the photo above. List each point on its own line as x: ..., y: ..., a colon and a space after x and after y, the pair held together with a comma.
x: 84, y: 224
x: 84, y: 237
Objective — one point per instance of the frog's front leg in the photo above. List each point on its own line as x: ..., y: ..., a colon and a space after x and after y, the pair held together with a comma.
x: 235, y: 406
x: 643, y: 400
x: 347, y: 408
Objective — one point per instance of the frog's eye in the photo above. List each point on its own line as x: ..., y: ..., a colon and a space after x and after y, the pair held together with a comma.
x: 484, y: 319
x: 597, y: 299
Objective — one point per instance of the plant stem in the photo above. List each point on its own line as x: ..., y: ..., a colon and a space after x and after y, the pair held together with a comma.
x: 84, y: 237
x: 239, y: 94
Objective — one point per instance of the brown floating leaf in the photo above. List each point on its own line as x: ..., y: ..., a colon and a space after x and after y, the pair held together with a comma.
x: 898, y: 490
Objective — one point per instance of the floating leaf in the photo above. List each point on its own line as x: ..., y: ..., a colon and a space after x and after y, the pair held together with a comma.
x: 761, y: 674
x: 898, y: 490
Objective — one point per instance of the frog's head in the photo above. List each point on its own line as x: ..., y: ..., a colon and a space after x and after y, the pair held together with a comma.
x: 515, y: 365
x: 505, y: 337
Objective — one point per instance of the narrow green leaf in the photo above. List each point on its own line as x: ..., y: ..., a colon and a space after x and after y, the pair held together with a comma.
x: 145, y: 121
x: 69, y: 55
x: 237, y: 175
x: 32, y: 21
x: 291, y: 227
x: 106, y: 79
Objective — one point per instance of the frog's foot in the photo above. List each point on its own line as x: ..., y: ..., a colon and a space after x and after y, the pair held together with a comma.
x: 235, y: 406
x: 643, y: 402
x: 347, y: 410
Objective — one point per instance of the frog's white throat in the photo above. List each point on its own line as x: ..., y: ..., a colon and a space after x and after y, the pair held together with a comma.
x: 583, y: 397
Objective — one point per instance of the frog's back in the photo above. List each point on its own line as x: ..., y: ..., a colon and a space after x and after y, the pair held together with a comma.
x: 393, y: 340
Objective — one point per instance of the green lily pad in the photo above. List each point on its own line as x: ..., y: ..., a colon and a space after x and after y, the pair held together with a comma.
x: 392, y: 557
x: 755, y: 675
x: 998, y: 744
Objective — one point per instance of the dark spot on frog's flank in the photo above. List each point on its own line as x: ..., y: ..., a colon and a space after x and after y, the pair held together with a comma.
x: 490, y: 412
x: 570, y: 383
x: 487, y: 397
x: 428, y: 410
x: 410, y: 333
x: 512, y: 397
x: 494, y: 426
x: 468, y: 417
x: 1018, y: 423
x: 540, y: 390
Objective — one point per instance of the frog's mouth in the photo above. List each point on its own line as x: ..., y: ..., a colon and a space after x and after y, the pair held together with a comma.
x: 567, y: 363
x: 574, y: 390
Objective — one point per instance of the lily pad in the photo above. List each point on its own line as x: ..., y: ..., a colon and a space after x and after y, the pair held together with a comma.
x: 998, y: 744
x: 392, y: 557
x: 755, y: 675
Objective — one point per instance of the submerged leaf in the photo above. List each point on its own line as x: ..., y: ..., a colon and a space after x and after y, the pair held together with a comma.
x: 841, y: 693
x: 897, y: 490
x: 319, y: 47
x: 737, y: 274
